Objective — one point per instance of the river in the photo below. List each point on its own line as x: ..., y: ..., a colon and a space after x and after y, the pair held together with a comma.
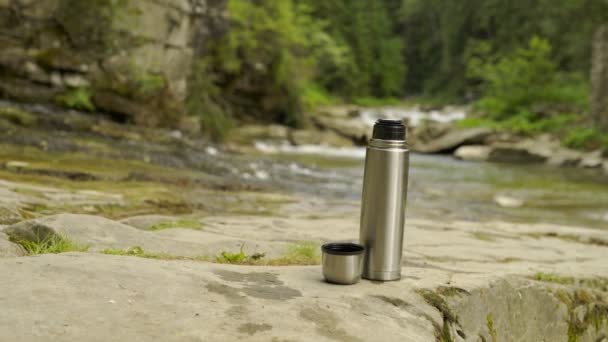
x: 441, y: 186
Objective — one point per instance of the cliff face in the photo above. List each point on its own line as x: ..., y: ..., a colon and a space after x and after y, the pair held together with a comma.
x: 131, y: 58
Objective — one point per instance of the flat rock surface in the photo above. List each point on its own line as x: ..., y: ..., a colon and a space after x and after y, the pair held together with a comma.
x: 96, y: 297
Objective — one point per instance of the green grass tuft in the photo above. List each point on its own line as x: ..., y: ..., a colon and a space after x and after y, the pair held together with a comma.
x: 491, y: 328
x: 52, y: 244
x: 232, y: 258
x: 181, y: 223
x: 301, y: 253
x: 553, y: 278
x: 77, y: 98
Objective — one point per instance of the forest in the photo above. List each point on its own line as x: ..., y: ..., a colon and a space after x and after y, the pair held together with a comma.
x: 522, y: 65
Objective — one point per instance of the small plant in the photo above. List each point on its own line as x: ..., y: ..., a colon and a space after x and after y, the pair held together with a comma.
x: 52, y: 244
x: 137, y: 251
x: 553, y: 278
x: 149, y: 84
x: 300, y: 253
x: 232, y: 258
x: 77, y: 98
x: 181, y: 223
x: 491, y: 328
x: 132, y: 251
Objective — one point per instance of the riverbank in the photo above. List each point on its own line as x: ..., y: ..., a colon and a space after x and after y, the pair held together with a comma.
x: 431, y: 131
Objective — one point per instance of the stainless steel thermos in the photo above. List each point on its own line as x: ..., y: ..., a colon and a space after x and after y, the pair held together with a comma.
x: 383, y: 200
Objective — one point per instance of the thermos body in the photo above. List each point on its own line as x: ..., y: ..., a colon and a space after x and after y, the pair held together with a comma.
x: 383, y: 204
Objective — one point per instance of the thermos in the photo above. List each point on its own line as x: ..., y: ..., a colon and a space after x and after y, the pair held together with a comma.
x: 383, y: 200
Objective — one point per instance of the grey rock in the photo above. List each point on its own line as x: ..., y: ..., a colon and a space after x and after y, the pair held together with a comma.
x: 508, y: 201
x: 75, y: 81
x: 454, y: 139
x: 144, y: 222
x: 565, y: 157
x: 249, y: 133
x: 473, y: 152
x: 513, y: 153
x: 315, y: 137
x: 592, y: 160
x: 56, y: 79
x: 8, y: 248
x: 343, y: 120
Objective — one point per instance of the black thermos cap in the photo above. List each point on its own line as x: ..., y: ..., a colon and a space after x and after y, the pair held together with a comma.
x: 389, y: 130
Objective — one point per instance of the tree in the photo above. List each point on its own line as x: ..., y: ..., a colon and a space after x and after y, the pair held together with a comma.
x: 599, y: 77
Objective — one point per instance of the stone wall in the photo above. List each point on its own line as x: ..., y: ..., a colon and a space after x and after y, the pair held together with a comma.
x: 130, y: 58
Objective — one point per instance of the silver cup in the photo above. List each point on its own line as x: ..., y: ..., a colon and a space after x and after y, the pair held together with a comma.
x: 342, y: 262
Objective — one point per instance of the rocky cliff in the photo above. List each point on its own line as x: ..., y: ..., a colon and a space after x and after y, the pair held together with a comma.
x: 129, y: 58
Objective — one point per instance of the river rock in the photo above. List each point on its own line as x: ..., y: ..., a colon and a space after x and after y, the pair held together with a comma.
x: 247, y: 134
x: 144, y: 222
x: 315, y: 137
x: 565, y: 157
x: 8, y: 248
x: 515, y: 153
x: 592, y: 160
x: 473, y: 152
x: 343, y: 120
x: 454, y: 139
x: 508, y: 201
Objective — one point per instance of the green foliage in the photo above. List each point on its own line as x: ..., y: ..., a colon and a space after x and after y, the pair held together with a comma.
x: 265, y: 60
x: 181, y: 223
x: 203, y: 101
x: 525, y: 123
x: 54, y: 243
x: 148, y: 84
x: 90, y: 24
x: 77, y: 98
x: 314, y: 95
x: 441, y: 34
x: 515, y: 82
x: 376, y: 102
x: 586, y: 137
x: 366, y: 30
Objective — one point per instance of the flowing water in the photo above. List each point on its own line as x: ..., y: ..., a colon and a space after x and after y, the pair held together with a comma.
x: 441, y: 186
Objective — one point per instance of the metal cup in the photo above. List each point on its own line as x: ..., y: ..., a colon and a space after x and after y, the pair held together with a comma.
x: 342, y: 262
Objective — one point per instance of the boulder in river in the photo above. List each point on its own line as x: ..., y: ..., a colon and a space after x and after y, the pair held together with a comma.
x: 508, y: 201
x: 515, y: 153
x: 315, y: 137
x: 592, y: 160
x: 345, y: 121
x: 454, y: 139
x: 473, y: 152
